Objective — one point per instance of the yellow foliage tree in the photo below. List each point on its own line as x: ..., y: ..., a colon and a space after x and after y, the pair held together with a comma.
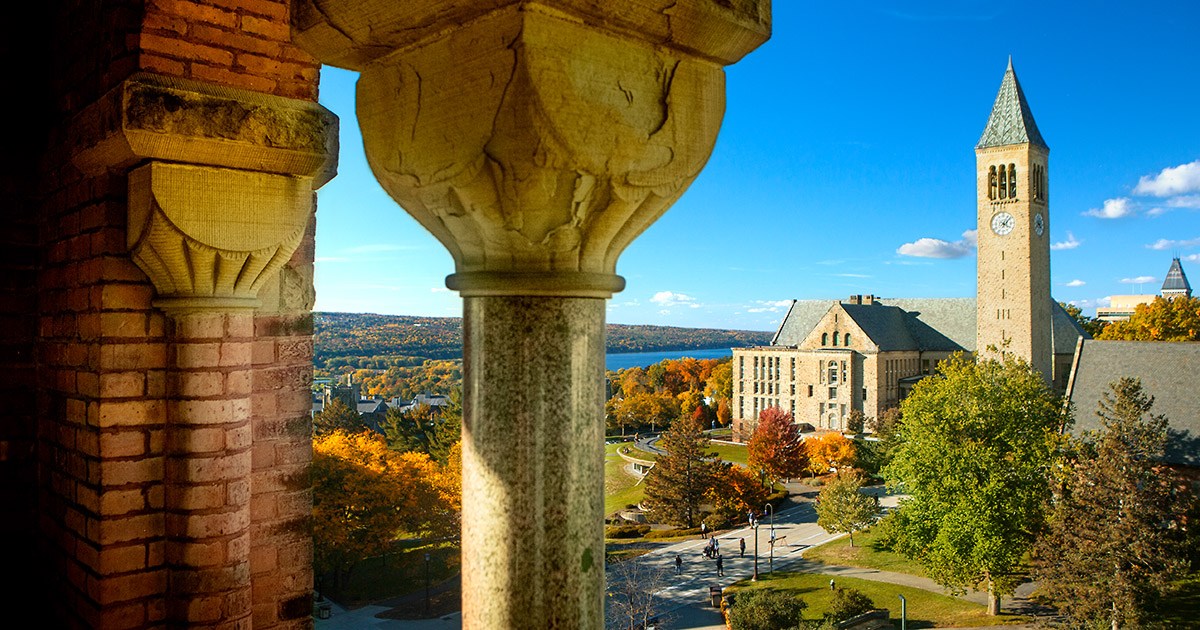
x: 365, y: 495
x: 829, y: 450
x: 1177, y: 319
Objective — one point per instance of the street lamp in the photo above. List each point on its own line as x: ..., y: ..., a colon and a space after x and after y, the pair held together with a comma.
x: 755, y: 526
x: 903, y: 613
x: 771, y: 508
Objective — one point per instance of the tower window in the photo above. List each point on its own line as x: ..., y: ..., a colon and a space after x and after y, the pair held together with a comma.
x: 1012, y: 181
x: 1003, y: 174
x: 992, y: 182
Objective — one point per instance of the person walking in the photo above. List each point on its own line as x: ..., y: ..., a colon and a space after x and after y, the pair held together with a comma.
x: 720, y: 565
x: 703, y: 531
x: 678, y: 564
x: 716, y: 544
x: 741, y: 547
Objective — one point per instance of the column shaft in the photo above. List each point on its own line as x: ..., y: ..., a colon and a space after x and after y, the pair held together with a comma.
x: 208, y: 469
x: 533, y: 462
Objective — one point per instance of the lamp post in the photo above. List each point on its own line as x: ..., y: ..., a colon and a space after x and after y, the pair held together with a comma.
x: 903, y: 613
x: 755, y: 578
x: 771, y: 508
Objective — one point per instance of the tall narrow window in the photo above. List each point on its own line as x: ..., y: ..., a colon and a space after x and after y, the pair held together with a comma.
x: 1012, y: 181
x: 824, y: 339
x: 992, y: 182
x: 835, y: 338
x: 1003, y: 179
x: 846, y: 340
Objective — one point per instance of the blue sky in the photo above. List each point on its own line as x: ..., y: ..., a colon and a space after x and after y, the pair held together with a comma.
x: 848, y: 137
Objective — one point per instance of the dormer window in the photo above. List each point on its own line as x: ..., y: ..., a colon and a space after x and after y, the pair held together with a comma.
x: 846, y: 340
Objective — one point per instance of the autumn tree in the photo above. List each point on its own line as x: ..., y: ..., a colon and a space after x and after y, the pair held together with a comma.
x: 365, y: 495
x: 1091, y: 325
x: 842, y: 507
x: 679, y: 480
x: 828, y: 451
x: 724, y: 413
x: 690, y: 401
x: 856, y: 421
x: 775, y: 449
x: 337, y: 416
x: 1177, y: 319
x: 1117, y: 535
x: 974, y: 455
x: 719, y: 385
x: 736, y: 490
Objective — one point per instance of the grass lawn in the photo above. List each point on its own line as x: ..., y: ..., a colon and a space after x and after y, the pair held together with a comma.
x: 864, y: 554
x: 925, y: 609
x: 1181, y: 605
x: 639, y: 453
x: 619, y: 488
x: 735, y: 453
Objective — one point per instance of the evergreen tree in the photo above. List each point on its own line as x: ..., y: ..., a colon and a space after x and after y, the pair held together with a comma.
x: 676, y: 486
x: 337, y: 416
x: 1118, y: 531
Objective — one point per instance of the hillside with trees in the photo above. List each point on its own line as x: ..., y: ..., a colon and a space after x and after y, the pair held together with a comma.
x: 367, y: 340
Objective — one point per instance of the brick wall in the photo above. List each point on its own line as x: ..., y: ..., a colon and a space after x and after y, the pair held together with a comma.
x: 85, y: 357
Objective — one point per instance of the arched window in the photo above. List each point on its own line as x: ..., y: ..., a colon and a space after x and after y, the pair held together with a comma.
x: 1003, y: 179
x: 1012, y: 181
x: 835, y: 338
x: 824, y: 339
x: 846, y: 340
x: 992, y: 182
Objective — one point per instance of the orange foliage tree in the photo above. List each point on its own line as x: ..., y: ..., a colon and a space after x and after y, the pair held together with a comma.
x: 736, y: 490
x: 365, y: 495
x: 829, y: 450
x: 775, y: 449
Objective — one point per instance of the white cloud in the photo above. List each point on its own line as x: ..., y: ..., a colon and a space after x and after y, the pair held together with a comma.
x: 1157, y: 211
x: 1070, y: 243
x: 1137, y: 280
x: 769, y: 306
x: 1112, y: 209
x: 937, y: 248
x: 1104, y: 301
x: 1191, y: 258
x: 1076, y: 283
x: 1173, y: 180
x: 1164, y: 243
x: 667, y: 299
x: 851, y: 275
x: 1184, y: 201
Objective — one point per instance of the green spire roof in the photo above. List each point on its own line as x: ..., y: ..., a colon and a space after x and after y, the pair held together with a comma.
x: 1011, y: 121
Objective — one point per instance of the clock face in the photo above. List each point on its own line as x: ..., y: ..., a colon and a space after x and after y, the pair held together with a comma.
x: 1039, y: 224
x: 1002, y: 223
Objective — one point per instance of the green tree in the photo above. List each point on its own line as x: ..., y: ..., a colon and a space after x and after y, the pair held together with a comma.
x: 1117, y: 536
x: 765, y: 609
x: 337, y: 416
x: 974, y: 455
x: 676, y: 486
x: 775, y: 449
x: 841, y: 506
x: 1177, y: 319
x: 848, y: 603
x: 1091, y: 325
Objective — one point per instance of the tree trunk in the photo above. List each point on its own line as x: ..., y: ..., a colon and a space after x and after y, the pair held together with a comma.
x: 851, y: 540
x: 993, y: 599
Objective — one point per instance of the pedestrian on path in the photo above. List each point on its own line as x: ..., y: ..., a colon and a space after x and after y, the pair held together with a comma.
x: 716, y: 545
x: 703, y: 531
x: 720, y: 565
x: 678, y: 564
x: 741, y: 547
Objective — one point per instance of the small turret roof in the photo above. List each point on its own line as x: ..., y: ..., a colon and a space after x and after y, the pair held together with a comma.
x: 1011, y: 121
x: 1176, y: 281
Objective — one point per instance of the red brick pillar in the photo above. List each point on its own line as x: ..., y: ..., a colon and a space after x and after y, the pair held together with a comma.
x: 207, y: 475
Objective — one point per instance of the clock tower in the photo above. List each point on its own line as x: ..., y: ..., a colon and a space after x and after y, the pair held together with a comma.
x: 1013, y: 223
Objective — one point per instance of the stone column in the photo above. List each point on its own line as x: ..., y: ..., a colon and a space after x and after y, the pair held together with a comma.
x: 220, y: 194
x: 535, y: 141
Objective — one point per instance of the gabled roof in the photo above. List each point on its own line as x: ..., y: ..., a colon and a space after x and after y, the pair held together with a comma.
x: 1168, y: 372
x: 801, y: 317
x: 1176, y: 280
x: 1011, y: 121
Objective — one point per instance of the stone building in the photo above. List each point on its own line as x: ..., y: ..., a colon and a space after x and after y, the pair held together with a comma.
x: 1122, y: 307
x: 156, y: 326
x: 864, y: 354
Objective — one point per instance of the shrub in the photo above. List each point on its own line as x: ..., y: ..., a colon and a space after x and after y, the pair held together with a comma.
x: 716, y: 521
x: 672, y: 533
x: 626, y: 531
x: 765, y: 610
x: 847, y: 603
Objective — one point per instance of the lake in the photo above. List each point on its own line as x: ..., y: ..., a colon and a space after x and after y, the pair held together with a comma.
x: 622, y: 360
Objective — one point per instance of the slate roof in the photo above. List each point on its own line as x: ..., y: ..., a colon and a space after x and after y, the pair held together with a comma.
x: 1176, y: 280
x: 1011, y: 121
x: 926, y: 324
x: 1170, y: 371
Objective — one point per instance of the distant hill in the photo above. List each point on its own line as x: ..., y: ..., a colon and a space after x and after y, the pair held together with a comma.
x: 369, y: 335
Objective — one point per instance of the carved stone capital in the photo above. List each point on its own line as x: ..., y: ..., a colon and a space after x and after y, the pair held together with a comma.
x: 209, y: 237
x: 535, y: 143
